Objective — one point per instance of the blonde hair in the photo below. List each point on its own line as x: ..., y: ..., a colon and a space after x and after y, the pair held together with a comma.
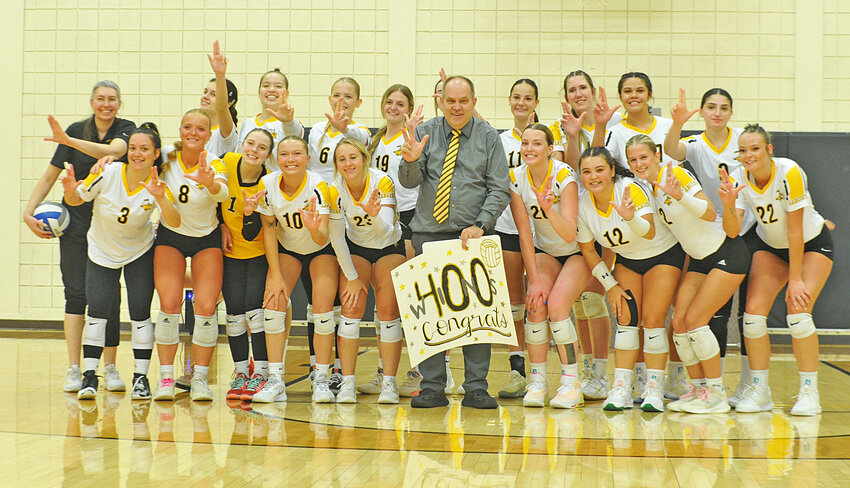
x: 361, y: 148
x: 344, y: 79
x: 178, y: 146
x: 643, y: 140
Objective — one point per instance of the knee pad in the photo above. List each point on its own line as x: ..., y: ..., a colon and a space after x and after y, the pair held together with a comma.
x: 594, y: 305
x: 578, y: 310
x: 704, y: 343
x: 310, y: 317
x: 627, y: 338
x: 324, y: 323
x: 255, y: 320
x: 206, y: 330
x: 755, y: 326
x: 274, y: 321
x: 167, y: 328
x: 655, y: 341
x: 236, y: 325
x: 94, y: 332
x: 141, y: 336
x: 391, y: 331
x: 685, y: 349
x: 563, y: 331
x: 349, y: 328
x: 518, y: 312
x: 801, y: 325
x: 536, y: 332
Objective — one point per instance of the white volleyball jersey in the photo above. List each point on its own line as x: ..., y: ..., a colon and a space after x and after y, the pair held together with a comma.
x: 291, y: 232
x: 218, y: 145
x: 610, y: 230
x: 545, y: 237
x: 323, y: 141
x: 121, y: 228
x: 786, y: 191
x: 587, y: 131
x: 275, y: 128
x: 387, y: 158
x: 358, y: 223
x: 699, y: 238
x: 618, y: 135
x: 512, y: 143
x: 193, y: 201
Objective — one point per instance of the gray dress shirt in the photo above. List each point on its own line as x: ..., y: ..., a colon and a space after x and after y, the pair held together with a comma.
x: 480, y: 187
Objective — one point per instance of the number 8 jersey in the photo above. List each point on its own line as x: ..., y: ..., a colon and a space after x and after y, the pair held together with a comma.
x: 193, y: 201
x: 611, y: 230
x: 786, y: 191
x: 291, y: 233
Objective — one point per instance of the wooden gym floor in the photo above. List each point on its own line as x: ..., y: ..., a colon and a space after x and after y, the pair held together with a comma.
x: 48, y: 438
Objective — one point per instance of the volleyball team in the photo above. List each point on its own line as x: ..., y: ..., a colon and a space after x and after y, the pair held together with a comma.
x: 602, y: 204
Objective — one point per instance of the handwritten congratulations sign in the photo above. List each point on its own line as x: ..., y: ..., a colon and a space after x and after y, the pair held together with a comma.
x: 450, y: 297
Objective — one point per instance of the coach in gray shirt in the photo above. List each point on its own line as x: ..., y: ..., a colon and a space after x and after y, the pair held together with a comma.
x: 460, y: 167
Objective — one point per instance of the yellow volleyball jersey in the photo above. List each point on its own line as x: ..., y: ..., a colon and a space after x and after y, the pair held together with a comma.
x: 232, y: 209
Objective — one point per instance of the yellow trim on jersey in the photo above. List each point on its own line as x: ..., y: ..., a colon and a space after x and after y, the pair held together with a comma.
x: 725, y: 144
x: 336, y: 133
x: 257, y: 120
x: 767, y: 185
x: 531, y: 180
x: 512, y: 176
x: 796, y: 188
x: 606, y: 213
x: 388, y: 142
x: 90, y: 178
x: 139, y: 188
x: 386, y: 188
x: 517, y: 137
x: 679, y: 173
x: 556, y: 130
x: 297, y: 192
x: 590, y: 128
x: 647, y: 131
x: 638, y: 196
x: 334, y: 197
x: 562, y: 174
x: 183, y: 166
x: 212, y: 129
x: 365, y: 188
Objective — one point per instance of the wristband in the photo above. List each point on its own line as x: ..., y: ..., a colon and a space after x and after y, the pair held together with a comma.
x: 601, y: 273
x: 638, y: 225
x: 694, y: 205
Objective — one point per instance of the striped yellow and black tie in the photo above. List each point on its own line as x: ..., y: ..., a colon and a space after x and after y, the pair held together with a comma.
x: 441, y: 201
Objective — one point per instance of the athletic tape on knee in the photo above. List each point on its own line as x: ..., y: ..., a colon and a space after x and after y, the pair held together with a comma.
x: 274, y: 321
x: 578, y: 310
x: 685, y: 349
x: 594, y: 305
x: 801, y: 325
x: 141, y: 336
x: 518, y: 312
x: 310, y: 317
x: 391, y: 331
x: 704, y: 343
x: 536, y: 332
x: 563, y: 331
x: 655, y: 341
x: 348, y: 328
x: 255, y: 320
x: 324, y: 323
x: 627, y: 338
x: 236, y: 325
x: 634, y: 315
x: 206, y: 330
x: 94, y: 332
x: 167, y: 330
x: 755, y: 326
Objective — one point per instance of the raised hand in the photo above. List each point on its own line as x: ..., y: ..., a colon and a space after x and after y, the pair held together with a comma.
x: 251, y: 203
x: 626, y: 208
x: 310, y: 215
x: 205, y: 174
x: 340, y: 118
x: 546, y: 197
x: 156, y: 187
x: 372, y: 205
x: 728, y: 192
x: 602, y: 112
x: 218, y: 61
x: 412, y: 149
x: 680, y: 113
x: 59, y: 135
x: 69, y: 181
x: 101, y: 164
x: 283, y: 112
x: 415, y: 120
x: 670, y: 184
x: 569, y: 122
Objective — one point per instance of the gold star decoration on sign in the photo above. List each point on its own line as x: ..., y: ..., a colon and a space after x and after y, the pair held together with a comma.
x: 449, y: 252
x: 411, y: 266
x: 401, y: 287
x: 475, y: 339
x: 422, y: 352
x: 424, y: 264
x: 407, y: 315
x: 501, y: 283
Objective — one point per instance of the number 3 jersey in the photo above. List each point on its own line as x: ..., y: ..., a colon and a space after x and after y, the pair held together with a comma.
x: 359, y: 226
x: 786, y: 192
x: 546, y: 238
x: 291, y: 233
x: 610, y: 230
x: 121, y: 228
x: 194, y: 203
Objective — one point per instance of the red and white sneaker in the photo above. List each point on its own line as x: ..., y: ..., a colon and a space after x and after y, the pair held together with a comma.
x: 253, y: 385
x: 237, y: 386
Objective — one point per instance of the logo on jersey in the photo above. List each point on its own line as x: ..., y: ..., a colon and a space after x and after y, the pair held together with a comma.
x: 779, y: 196
x: 147, y: 205
x: 397, y: 152
x: 668, y: 201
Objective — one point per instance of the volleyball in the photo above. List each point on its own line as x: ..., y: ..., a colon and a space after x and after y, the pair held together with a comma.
x: 55, y: 216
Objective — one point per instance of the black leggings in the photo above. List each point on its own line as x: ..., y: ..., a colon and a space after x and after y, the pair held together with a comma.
x: 243, y: 284
x: 102, y: 287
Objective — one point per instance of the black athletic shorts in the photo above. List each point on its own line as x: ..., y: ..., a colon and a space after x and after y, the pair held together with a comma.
x: 510, y: 242
x: 188, y: 246
x: 674, y: 256
x: 561, y: 259
x: 732, y: 257
x: 373, y: 255
x: 821, y: 244
x: 404, y: 219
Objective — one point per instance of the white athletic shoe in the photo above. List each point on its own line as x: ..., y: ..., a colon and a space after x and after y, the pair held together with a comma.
x: 709, y: 400
x: 535, y: 395
x: 321, y: 390
x: 347, y: 391
x: 374, y: 386
x: 515, y: 386
x: 568, y: 396
x: 596, y: 389
x: 807, y: 404
x: 389, y: 392
x: 410, y: 387
x: 653, y: 399
x: 200, y: 391
x: 738, y: 395
x: 619, y: 398
x: 112, y: 379
x: 165, y: 390
x: 273, y: 390
x: 73, y: 380
x: 450, y: 381
x: 756, y: 399
x: 676, y: 406
x: 676, y: 387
